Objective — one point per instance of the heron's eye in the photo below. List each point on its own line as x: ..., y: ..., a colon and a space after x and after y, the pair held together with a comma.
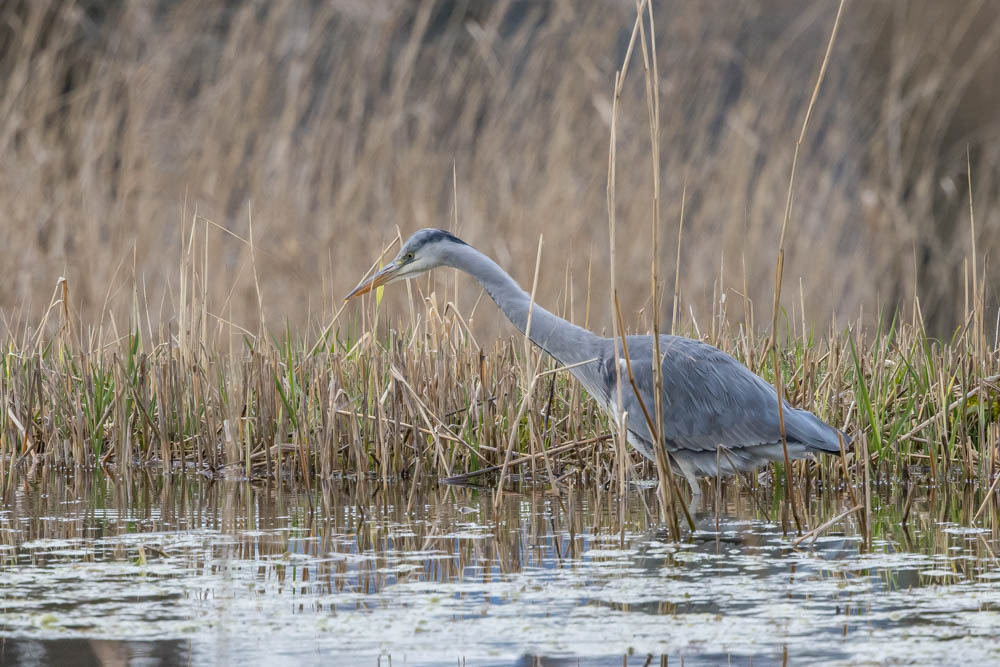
x: 408, y: 257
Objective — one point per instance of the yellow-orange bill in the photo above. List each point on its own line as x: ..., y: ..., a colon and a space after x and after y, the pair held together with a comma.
x: 377, y: 280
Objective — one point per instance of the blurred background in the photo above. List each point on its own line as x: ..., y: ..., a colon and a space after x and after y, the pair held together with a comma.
x: 336, y: 122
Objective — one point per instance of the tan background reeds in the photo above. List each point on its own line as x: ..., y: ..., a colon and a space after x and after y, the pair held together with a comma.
x: 340, y: 122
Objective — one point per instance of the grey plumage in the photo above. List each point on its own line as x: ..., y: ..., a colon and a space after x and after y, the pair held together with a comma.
x: 709, y: 398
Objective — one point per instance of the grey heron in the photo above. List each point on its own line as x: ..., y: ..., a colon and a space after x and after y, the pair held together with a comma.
x: 709, y: 398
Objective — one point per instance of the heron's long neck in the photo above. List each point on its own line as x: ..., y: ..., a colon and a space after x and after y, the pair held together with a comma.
x: 566, y: 342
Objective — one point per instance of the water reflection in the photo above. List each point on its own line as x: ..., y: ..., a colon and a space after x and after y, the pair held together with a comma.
x: 111, y: 653
x: 111, y: 568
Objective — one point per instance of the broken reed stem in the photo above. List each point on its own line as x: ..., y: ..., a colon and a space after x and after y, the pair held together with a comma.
x: 565, y: 447
x: 815, y: 532
x: 992, y: 379
x: 986, y: 499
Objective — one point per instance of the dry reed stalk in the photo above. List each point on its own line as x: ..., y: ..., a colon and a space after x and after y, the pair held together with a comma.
x: 531, y: 377
x: 673, y: 493
x: 677, y: 267
x: 779, y: 265
x: 815, y: 532
x: 664, y: 470
x: 617, y: 332
x: 986, y: 499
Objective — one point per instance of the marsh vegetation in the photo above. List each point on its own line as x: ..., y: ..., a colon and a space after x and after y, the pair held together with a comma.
x: 381, y: 398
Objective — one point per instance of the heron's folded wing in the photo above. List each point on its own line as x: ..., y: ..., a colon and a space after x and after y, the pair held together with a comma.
x: 711, y: 399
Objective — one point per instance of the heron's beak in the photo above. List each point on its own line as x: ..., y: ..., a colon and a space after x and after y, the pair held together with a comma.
x: 380, y: 278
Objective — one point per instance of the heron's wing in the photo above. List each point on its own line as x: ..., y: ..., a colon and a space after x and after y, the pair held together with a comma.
x: 711, y: 399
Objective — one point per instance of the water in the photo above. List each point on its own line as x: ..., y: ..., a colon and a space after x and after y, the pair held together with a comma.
x: 180, y: 570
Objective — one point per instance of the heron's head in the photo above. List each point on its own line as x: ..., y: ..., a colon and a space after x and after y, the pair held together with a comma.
x: 425, y: 250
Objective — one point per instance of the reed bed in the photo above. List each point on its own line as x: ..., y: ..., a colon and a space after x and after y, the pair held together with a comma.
x: 383, y: 399
x: 385, y: 402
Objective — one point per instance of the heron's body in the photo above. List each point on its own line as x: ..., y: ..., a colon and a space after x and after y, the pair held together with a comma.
x: 709, y: 400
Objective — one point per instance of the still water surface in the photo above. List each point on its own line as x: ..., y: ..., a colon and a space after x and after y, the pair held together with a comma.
x: 179, y: 570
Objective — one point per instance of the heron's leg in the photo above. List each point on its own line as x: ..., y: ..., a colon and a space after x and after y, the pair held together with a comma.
x: 687, y: 469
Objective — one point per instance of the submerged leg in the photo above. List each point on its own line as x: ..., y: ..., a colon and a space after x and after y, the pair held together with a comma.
x: 688, y: 471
